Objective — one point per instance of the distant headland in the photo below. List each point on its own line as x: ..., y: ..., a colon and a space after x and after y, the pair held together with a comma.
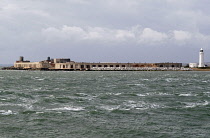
x: 65, y: 64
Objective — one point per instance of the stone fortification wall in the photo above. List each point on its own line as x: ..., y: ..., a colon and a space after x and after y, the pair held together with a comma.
x: 89, y: 66
x: 67, y: 64
x: 32, y: 65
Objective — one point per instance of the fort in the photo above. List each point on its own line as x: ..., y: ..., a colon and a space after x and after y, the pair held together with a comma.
x: 68, y: 65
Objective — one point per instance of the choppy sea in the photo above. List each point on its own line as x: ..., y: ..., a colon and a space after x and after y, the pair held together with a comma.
x: 41, y: 104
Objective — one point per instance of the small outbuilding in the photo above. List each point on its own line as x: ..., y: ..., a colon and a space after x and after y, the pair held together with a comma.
x: 193, y: 65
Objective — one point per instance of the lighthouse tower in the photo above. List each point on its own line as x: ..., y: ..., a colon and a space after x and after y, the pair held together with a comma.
x: 201, y: 58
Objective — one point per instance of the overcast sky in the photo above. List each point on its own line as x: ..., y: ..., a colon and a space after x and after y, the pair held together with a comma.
x: 105, y: 30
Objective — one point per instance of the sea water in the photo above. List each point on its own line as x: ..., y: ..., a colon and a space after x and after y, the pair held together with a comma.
x: 109, y: 104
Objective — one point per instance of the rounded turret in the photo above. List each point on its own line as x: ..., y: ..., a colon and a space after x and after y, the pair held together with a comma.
x: 21, y: 58
x: 48, y: 59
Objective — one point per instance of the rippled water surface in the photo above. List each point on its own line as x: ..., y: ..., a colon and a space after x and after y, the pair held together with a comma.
x: 104, y: 104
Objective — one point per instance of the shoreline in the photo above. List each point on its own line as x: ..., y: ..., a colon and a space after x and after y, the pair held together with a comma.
x: 112, y: 69
x: 201, y: 69
x: 108, y: 69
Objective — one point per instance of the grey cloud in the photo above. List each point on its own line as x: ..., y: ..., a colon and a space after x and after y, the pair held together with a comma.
x: 85, y: 26
x: 136, y: 34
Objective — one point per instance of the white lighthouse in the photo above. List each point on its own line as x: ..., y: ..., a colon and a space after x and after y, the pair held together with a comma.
x: 201, y: 58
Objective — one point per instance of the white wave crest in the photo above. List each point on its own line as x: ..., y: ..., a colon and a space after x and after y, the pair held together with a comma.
x: 141, y: 95
x: 187, y: 94
x: 110, y: 107
x: 6, y: 112
x: 69, y: 108
x: 141, y: 105
x: 192, y: 105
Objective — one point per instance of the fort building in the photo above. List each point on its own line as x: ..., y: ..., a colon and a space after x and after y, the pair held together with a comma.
x: 67, y: 64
